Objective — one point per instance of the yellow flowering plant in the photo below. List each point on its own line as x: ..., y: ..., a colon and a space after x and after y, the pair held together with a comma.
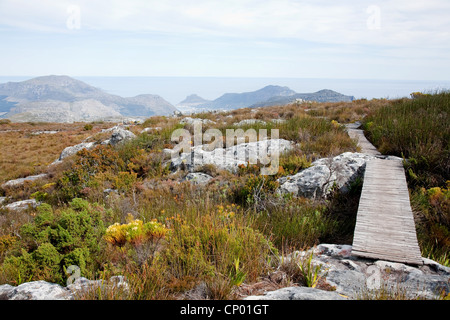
x: 134, y: 232
x: 226, y: 212
x: 335, y: 124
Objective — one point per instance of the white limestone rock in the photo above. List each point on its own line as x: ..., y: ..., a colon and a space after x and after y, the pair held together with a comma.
x: 20, y: 181
x: 22, y: 205
x: 35, y: 290
x: 230, y: 158
x: 249, y: 121
x: 317, y: 180
x: 298, y: 293
x: 69, y: 151
x: 197, y: 178
x: 119, y: 135
x: 191, y: 121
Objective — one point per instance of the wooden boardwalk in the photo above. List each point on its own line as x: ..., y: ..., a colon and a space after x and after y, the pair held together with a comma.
x: 385, y: 227
x: 363, y: 143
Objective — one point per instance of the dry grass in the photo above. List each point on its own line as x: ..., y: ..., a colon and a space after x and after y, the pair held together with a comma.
x: 25, y: 153
x: 345, y: 112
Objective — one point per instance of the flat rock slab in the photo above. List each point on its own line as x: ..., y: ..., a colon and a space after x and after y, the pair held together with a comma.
x: 298, y: 293
x: 197, y: 178
x: 318, y: 180
x: 20, y: 181
x: 355, y: 277
x: 22, y: 205
x: 35, y: 290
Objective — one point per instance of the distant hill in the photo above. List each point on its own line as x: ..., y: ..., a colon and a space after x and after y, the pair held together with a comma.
x: 268, y: 96
x: 64, y: 99
x: 191, y: 103
x: 193, y: 99
x: 319, y: 96
x: 246, y: 99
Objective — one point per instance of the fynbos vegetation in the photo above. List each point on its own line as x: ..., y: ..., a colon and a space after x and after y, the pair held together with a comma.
x: 122, y: 210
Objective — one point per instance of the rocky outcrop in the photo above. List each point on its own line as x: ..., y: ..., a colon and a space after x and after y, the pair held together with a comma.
x: 82, y: 285
x: 279, y: 121
x: 22, y: 205
x: 197, y: 178
x: 298, y: 293
x: 230, y: 158
x: 192, y: 121
x: 318, y: 180
x: 20, y: 181
x: 69, y: 151
x: 118, y: 134
x: 150, y: 129
x: 35, y: 290
x: 38, y: 133
x: 358, y: 278
x: 42, y: 290
x: 249, y: 122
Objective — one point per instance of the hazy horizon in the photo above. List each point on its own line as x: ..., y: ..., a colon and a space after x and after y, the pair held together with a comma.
x: 176, y: 89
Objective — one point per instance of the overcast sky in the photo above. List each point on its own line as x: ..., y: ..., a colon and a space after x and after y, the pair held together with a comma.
x: 396, y: 39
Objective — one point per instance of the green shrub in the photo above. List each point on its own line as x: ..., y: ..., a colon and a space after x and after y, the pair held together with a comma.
x: 416, y: 129
x: 91, y: 167
x: 148, y: 165
x: 54, y: 241
x: 19, y: 269
x: 6, y: 242
x: 433, y: 228
x: 124, y: 180
x: 48, y: 260
x: 256, y: 189
x: 292, y: 162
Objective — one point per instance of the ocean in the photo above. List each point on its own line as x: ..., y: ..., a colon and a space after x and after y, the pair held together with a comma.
x: 175, y: 89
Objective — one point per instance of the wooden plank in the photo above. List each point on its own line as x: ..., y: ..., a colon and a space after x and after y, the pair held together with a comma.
x: 365, y: 145
x: 385, y: 227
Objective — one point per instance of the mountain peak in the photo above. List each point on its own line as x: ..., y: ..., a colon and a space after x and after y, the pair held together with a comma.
x: 193, y: 98
x: 56, y: 80
x: 73, y: 99
x: 246, y: 99
x: 277, y: 90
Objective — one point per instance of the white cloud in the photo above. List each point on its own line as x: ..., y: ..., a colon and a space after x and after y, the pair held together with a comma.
x: 228, y: 36
x: 344, y: 22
